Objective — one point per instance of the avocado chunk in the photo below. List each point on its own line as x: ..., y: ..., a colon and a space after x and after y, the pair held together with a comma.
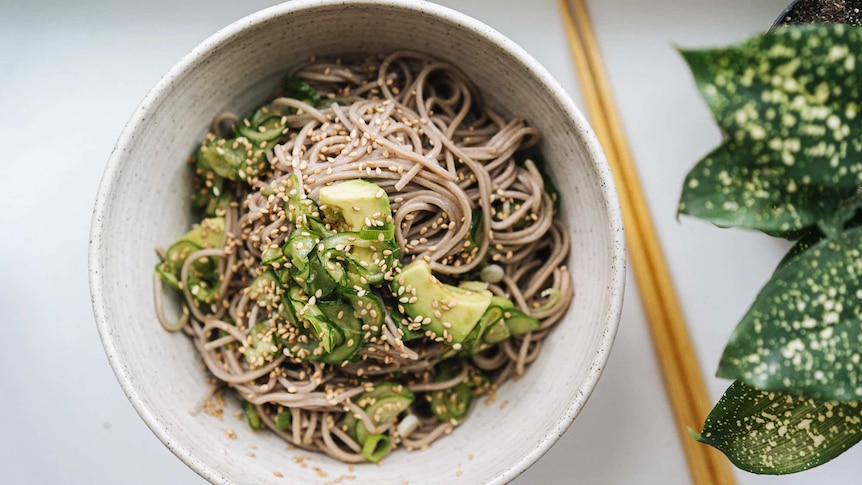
x: 355, y: 203
x: 452, y: 312
x: 363, y: 207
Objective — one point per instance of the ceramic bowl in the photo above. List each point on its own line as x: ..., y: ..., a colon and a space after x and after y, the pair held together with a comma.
x: 143, y: 202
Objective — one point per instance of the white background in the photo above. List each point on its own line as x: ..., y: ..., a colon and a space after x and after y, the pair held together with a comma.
x: 72, y: 72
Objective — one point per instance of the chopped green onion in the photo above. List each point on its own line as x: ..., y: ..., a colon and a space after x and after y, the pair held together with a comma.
x: 283, y: 420
x: 251, y: 415
x: 376, y: 447
x: 553, y: 295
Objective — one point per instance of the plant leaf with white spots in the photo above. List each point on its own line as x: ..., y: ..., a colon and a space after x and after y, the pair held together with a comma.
x: 728, y: 193
x: 789, y: 105
x: 803, y: 334
x: 805, y: 242
x: 845, y: 217
x: 772, y: 433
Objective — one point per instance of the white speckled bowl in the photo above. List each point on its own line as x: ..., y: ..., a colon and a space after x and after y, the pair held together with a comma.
x: 143, y: 202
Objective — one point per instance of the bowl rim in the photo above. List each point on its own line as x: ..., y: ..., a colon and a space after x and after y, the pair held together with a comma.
x: 152, y: 101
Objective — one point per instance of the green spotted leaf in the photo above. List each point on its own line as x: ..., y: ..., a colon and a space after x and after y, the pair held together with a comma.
x: 845, y: 217
x: 803, y: 244
x: 773, y: 433
x: 803, y: 334
x: 789, y: 105
x: 732, y: 194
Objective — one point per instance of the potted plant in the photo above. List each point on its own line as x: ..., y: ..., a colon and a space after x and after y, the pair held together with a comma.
x: 790, y: 106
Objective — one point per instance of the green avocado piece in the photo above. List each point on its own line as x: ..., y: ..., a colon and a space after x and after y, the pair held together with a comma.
x: 354, y: 202
x: 452, y: 311
x: 363, y: 207
x: 473, y: 285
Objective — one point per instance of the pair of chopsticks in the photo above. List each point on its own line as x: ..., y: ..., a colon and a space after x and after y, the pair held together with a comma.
x: 680, y: 369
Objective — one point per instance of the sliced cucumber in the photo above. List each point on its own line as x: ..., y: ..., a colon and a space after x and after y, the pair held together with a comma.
x: 261, y: 345
x: 263, y: 126
x: 319, y: 281
x: 214, y: 199
x: 325, y: 332
x: 520, y: 323
x: 490, y: 331
x: 297, y: 250
x: 382, y: 404
x: 450, y: 404
x: 342, y: 314
x: 208, y: 234
x: 402, y: 322
x: 369, y: 309
x: 220, y: 156
x: 263, y: 289
x: 272, y: 256
x: 504, y: 303
x: 298, y: 89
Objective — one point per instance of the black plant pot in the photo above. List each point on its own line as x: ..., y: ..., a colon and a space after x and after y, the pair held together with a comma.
x: 822, y: 12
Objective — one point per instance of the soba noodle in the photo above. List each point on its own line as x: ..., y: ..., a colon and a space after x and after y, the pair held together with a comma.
x: 417, y: 128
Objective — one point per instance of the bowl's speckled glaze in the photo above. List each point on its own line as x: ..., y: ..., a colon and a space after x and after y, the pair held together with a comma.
x: 143, y: 203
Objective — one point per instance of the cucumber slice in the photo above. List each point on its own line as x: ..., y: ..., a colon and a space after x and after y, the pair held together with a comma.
x: 298, y: 89
x: 342, y: 314
x: 504, y: 303
x: 325, y: 332
x: 297, y: 250
x: 490, y: 331
x: 369, y: 309
x: 220, y: 156
x: 263, y: 289
x: 382, y: 404
x: 520, y: 323
x: 261, y: 346
x: 332, y: 262
x: 272, y: 256
x: 263, y: 126
x: 213, y: 199
x: 303, y: 211
x: 168, y: 276
x: 402, y: 322
x: 169, y: 269
x: 208, y: 234
x: 450, y: 404
x: 319, y: 281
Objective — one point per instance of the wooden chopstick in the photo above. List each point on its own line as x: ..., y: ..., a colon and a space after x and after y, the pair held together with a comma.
x: 683, y: 379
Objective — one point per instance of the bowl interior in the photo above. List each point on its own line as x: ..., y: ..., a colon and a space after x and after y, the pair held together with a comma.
x: 143, y: 203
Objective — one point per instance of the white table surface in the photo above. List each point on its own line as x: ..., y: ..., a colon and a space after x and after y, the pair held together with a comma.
x: 72, y: 72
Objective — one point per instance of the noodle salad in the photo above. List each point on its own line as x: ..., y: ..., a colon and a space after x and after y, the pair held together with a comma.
x: 376, y: 248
